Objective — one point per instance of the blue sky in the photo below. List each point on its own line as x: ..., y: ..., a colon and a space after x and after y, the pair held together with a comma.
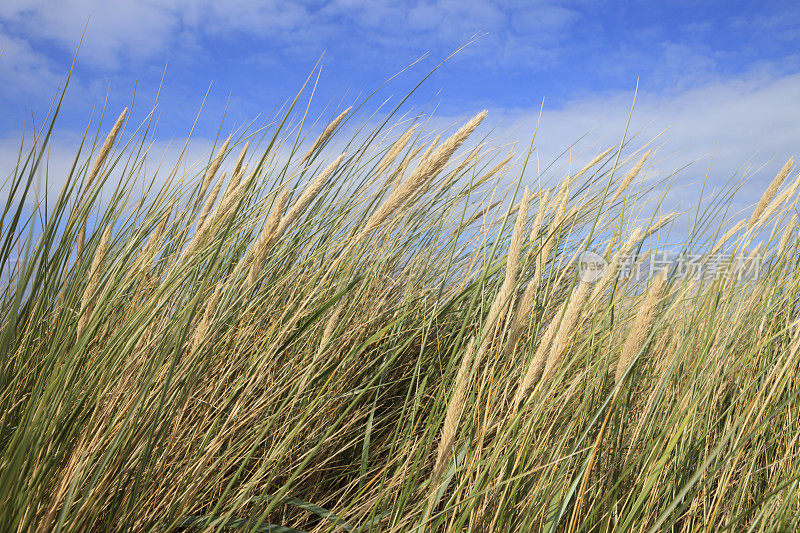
x: 723, y: 77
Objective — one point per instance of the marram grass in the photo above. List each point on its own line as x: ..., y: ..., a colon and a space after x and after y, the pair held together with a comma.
x: 384, y: 333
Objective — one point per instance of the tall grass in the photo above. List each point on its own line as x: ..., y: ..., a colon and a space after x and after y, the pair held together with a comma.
x: 380, y: 332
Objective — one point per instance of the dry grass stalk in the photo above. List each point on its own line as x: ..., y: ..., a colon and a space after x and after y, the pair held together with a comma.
x: 95, y: 272
x: 394, y: 150
x: 452, y: 416
x: 591, y: 163
x: 105, y: 149
x: 150, y: 248
x: 426, y: 170
x: 787, y: 235
x: 730, y: 233
x: 642, y: 324
x: 529, y: 294
x: 629, y: 177
x: 203, y: 326
x: 212, y: 169
x: 497, y: 168
x: 778, y: 202
x: 311, y: 191
x: 770, y: 193
x: 325, y: 135
x: 536, y: 365
x: 266, y: 238
x: 566, y: 329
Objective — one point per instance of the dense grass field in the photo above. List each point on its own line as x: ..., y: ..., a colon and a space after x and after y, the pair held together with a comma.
x: 380, y: 328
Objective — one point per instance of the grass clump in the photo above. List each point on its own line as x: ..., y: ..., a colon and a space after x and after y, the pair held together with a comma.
x: 381, y: 332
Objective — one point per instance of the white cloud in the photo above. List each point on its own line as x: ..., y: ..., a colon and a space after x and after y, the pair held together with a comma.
x: 24, y: 69
x: 142, y: 29
x: 136, y: 29
x: 750, y: 123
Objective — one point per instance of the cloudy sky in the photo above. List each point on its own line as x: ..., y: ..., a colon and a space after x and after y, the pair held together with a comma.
x: 715, y: 77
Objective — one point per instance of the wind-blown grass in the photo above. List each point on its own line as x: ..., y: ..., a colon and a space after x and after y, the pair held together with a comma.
x: 384, y: 337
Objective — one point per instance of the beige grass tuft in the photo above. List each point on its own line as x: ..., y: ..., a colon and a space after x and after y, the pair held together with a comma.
x: 426, y: 170
x: 95, y: 272
x: 769, y: 194
x: 212, y: 169
x: 642, y: 324
x: 325, y: 135
x: 629, y: 177
x: 453, y: 415
x: 106, y: 149
x: 266, y: 238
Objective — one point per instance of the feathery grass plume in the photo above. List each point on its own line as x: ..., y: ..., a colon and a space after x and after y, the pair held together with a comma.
x: 591, y: 163
x: 471, y: 157
x: 642, y: 324
x: 452, y: 416
x: 81, y: 241
x: 770, y: 193
x: 566, y: 329
x: 663, y: 221
x: 217, y: 218
x: 534, y: 369
x: 105, y: 149
x: 397, y: 175
x: 429, y: 150
x: 212, y: 169
x: 495, y: 169
x: 517, y: 236
x: 150, y: 248
x: 200, y: 332
x: 787, y: 235
x: 610, y: 271
x: 311, y: 191
x: 779, y: 201
x: 267, y: 237
x: 208, y: 219
x: 394, y: 150
x: 95, y: 272
x: 426, y: 170
x: 233, y: 192
x: 209, y: 204
x: 240, y: 160
x: 561, y: 200
x: 327, y: 334
x: 529, y: 294
x: 496, y: 313
x: 500, y: 303
x: 730, y: 233
x: 629, y: 177
x: 326, y: 134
